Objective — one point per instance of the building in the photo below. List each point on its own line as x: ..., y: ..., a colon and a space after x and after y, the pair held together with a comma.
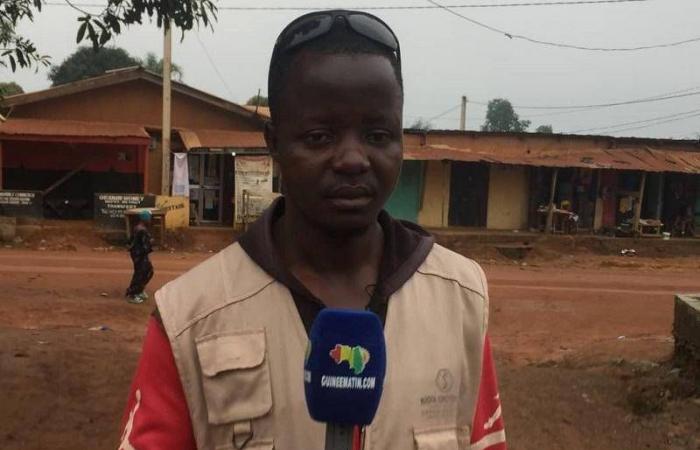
x: 68, y: 143
x: 67, y: 151
x: 504, y: 181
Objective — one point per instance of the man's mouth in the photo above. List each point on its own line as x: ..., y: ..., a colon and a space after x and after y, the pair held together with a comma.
x: 350, y: 197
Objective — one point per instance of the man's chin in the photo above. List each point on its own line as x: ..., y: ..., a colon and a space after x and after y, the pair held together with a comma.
x: 350, y: 224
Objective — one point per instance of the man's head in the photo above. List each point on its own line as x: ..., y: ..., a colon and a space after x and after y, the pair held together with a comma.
x: 145, y: 216
x: 336, y: 101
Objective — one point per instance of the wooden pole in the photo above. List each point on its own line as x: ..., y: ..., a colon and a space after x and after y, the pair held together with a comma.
x: 0, y: 165
x: 463, y: 114
x: 638, y: 206
x: 659, y: 197
x: 144, y: 151
x: 165, y: 142
x: 67, y: 176
x: 550, y: 207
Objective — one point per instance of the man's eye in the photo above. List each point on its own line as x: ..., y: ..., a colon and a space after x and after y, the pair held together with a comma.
x: 378, y: 137
x: 316, y: 138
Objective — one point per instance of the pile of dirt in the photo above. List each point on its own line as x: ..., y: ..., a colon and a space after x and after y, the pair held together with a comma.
x: 527, y: 249
x: 57, y: 236
x: 54, y: 235
x: 199, y: 239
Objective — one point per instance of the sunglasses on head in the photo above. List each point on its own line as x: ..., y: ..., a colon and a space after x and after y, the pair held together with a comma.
x: 317, y: 24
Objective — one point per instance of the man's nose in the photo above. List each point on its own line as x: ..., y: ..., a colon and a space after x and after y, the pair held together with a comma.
x: 351, y: 156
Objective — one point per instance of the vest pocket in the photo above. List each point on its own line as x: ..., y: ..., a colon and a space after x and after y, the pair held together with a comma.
x: 236, y: 376
x: 441, y: 438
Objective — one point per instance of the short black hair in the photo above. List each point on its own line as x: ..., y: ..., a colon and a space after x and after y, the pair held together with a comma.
x: 340, y: 40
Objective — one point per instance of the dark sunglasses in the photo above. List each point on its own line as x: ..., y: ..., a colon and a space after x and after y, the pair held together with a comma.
x: 317, y: 24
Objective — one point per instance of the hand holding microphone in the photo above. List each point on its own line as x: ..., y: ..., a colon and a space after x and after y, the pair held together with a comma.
x: 344, y: 372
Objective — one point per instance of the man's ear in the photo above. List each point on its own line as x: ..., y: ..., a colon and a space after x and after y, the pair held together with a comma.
x: 271, y: 139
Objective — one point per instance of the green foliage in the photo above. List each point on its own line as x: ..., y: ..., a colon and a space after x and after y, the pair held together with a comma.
x: 421, y: 124
x: 16, y: 50
x: 87, y: 63
x: 154, y: 64
x: 546, y: 129
x: 500, y: 116
x: 97, y: 28
x: 10, y: 88
x: 257, y: 100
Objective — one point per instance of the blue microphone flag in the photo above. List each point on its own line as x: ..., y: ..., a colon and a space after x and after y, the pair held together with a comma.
x: 345, y: 367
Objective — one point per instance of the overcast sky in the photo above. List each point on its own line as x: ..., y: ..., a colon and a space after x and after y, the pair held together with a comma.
x: 446, y: 57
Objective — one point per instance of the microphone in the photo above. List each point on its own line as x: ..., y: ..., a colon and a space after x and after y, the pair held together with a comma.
x: 344, y: 372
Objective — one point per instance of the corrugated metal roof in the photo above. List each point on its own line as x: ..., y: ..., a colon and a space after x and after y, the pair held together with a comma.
x: 262, y: 111
x: 526, y: 134
x: 630, y: 158
x: 70, y: 128
x: 194, y: 139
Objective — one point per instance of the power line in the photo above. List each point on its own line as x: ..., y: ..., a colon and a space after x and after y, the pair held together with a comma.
x: 636, y: 122
x: 659, y: 98
x: 216, y: 69
x: 389, y: 8
x: 447, y: 111
x: 559, y: 44
x: 656, y: 123
x: 409, y: 7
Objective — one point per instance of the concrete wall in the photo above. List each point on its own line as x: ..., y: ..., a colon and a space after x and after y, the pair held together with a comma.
x: 436, y: 194
x: 508, y: 198
x: 686, y: 332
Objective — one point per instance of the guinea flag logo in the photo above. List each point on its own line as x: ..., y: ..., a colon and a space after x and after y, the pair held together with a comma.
x: 357, y: 357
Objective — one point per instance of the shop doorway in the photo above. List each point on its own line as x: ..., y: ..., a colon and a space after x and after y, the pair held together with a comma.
x: 206, y: 177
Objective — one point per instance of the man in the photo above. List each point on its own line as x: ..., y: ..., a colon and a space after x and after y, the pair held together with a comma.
x: 139, y: 249
x: 222, y: 360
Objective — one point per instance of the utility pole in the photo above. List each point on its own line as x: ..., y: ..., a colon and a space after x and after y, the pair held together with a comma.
x: 638, y: 205
x: 550, y: 206
x: 165, y: 141
x: 463, y: 114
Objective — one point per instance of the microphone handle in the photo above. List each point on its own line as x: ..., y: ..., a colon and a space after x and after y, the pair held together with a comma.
x: 339, y: 436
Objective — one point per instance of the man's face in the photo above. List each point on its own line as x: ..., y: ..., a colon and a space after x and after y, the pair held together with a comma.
x: 338, y: 138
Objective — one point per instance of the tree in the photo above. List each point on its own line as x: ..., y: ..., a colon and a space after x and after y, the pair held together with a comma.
x: 545, y: 129
x: 10, y: 88
x: 87, y: 63
x: 257, y: 100
x: 96, y: 28
x: 421, y: 124
x: 153, y: 64
x: 500, y: 116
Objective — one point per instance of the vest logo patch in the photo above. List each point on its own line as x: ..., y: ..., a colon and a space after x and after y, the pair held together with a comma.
x: 357, y: 357
x: 444, y: 380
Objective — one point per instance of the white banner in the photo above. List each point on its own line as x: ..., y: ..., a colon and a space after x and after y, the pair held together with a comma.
x: 181, y: 180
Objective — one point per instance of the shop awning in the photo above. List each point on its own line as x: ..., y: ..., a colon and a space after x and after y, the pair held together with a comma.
x: 73, y: 131
x: 222, y: 139
x: 642, y: 158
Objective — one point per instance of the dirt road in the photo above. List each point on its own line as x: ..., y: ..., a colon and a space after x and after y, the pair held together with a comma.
x: 574, y: 347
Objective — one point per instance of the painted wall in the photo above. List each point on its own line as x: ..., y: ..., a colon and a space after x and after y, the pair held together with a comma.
x: 59, y: 156
x: 508, y: 198
x: 177, y: 210
x: 405, y: 201
x: 436, y: 194
x: 136, y: 101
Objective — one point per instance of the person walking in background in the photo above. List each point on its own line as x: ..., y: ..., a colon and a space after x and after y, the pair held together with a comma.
x: 139, y: 248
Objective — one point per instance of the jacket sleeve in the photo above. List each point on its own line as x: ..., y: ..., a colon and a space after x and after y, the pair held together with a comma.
x: 488, y: 430
x: 156, y: 415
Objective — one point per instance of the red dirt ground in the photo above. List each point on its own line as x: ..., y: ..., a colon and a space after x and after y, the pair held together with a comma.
x: 582, y: 343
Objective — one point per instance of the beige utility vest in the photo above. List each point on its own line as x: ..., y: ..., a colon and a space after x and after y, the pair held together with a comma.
x: 239, y: 346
